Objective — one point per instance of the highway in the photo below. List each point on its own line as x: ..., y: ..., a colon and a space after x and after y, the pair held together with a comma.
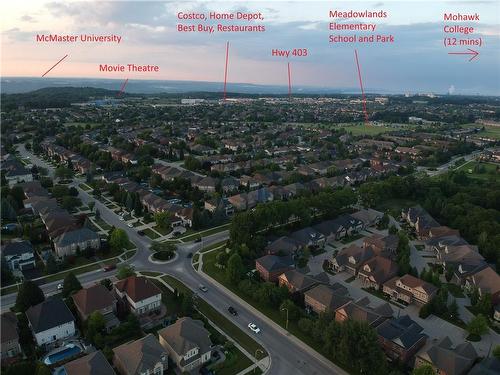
x: 288, y: 355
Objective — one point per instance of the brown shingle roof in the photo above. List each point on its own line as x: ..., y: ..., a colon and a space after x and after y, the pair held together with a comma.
x: 92, y: 364
x: 137, y: 288
x: 95, y: 298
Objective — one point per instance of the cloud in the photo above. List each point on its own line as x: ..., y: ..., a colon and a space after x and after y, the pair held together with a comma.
x: 27, y: 18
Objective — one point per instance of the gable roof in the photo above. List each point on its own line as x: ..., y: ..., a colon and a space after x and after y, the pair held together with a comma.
x: 140, y: 355
x: 298, y: 280
x: 328, y: 296
x: 76, y: 236
x: 186, y: 334
x: 137, y: 288
x: 403, y: 331
x: 92, y: 364
x: 17, y: 248
x: 48, y: 314
x: 94, y: 298
x: 8, y: 327
x: 272, y: 262
x: 448, y: 359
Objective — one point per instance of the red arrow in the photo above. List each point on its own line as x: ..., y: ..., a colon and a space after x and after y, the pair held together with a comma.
x: 472, y: 52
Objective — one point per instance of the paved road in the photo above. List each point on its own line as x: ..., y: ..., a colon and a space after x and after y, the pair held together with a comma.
x: 287, y: 355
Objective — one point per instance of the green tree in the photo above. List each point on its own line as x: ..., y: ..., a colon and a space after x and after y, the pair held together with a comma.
x: 96, y: 324
x: 107, y: 283
x: 118, y: 240
x: 484, y: 305
x: 235, y: 268
x: 51, y: 265
x: 70, y: 285
x: 125, y: 271
x: 478, y: 326
x: 29, y: 295
x: 423, y: 370
x: 70, y: 203
x: 42, y: 369
x: 293, y: 310
x: 63, y: 172
x: 162, y: 219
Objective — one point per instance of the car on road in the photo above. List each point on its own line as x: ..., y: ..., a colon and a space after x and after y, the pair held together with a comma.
x: 109, y: 267
x: 203, y: 288
x: 141, y: 233
x: 232, y: 311
x: 122, y: 218
x: 130, y: 225
x: 253, y: 328
x: 59, y: 286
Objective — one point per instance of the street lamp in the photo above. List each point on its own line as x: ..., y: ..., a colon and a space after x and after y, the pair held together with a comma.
x: 256, y: 360
x: 286, y: 308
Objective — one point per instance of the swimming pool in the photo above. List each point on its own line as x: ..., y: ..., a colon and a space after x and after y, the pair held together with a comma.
x: 69, y: 350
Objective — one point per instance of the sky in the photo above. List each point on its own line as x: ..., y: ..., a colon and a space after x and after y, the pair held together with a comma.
x: 417, y: 61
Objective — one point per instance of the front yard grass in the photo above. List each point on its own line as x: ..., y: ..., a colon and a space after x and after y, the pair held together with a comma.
x: 151, y: 234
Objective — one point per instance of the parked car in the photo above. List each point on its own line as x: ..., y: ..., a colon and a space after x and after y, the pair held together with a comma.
x: 122, y: 218
x: 198, y: 239
x: 253, y: 328
x: 215, y: 354
x: 59, y: 286
x: 141, y: 233
x: 203, y: 288
x: 109, y: 267
x: 232, y: 311
x: 130, y: 225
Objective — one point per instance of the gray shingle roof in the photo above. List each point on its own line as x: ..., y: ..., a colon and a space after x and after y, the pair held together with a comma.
x: 48, y: 314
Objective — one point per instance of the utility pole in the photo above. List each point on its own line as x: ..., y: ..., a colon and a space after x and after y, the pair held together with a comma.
x: 286, y: 308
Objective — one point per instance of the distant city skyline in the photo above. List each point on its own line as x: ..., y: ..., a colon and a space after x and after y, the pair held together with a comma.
x: 416, y: 62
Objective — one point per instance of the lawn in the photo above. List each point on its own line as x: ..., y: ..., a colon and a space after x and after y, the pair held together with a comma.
x: 163, y: 231
x: 102, y: 224
x: 367, y: 130
x: 486, y: 170
x: 489, y: 131
x: 213, y: 246
x: 151, y: 234
x: 204, y: 233
x: 85, y: 187
x: 394, y: 206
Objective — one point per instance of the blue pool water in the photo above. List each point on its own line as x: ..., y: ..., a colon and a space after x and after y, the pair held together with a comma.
x: 69, y: 351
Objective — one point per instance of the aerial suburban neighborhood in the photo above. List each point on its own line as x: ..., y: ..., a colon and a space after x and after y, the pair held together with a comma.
x: 141, y: 238
x: 249, y: 187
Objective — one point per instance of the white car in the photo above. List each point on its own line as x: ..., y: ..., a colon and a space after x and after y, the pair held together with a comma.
x: 59, y: 286
x: 122, y: 218
x: 253, y: 328
x: 130, y: 225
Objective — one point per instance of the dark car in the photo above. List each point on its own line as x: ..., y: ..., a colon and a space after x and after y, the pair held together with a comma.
x: 232, y: 311
x: 198, y: 239
x: 110, y: 267
x: 141, y: 233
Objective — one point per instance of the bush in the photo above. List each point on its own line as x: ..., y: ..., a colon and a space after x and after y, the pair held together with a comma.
x: 164, y: 255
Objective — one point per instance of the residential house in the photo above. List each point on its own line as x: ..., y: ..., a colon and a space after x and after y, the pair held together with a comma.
x: 270, y: 267
x: 92, y: 364
x: 376, y: 271
x: 284, y: 246
x: 487, y: 281
x: 229, y: 184
x: 362, y: 311
x: 96, y: 298
x: 409, y: 289
x: 82, y: 238
x: 207, y: 184
x: 141, y: 357
x: 220, y: 205
x: 19, y: 255
x: 401, y: 338
x: 351, y: 259
x: 446, y: 359
x: 420, y: 219
x: 383, y: 245
x: 187, y: 342
x: 309, y: 237
x: 297, y: 282
x: 368, y: 216
x: 16, y: 174
x: 50, y: 321
x: 139, y: 295
x: 326, y: 299
x: 9, y: 336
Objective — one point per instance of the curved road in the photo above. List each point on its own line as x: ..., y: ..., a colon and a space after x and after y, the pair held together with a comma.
x: 288, y: 355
